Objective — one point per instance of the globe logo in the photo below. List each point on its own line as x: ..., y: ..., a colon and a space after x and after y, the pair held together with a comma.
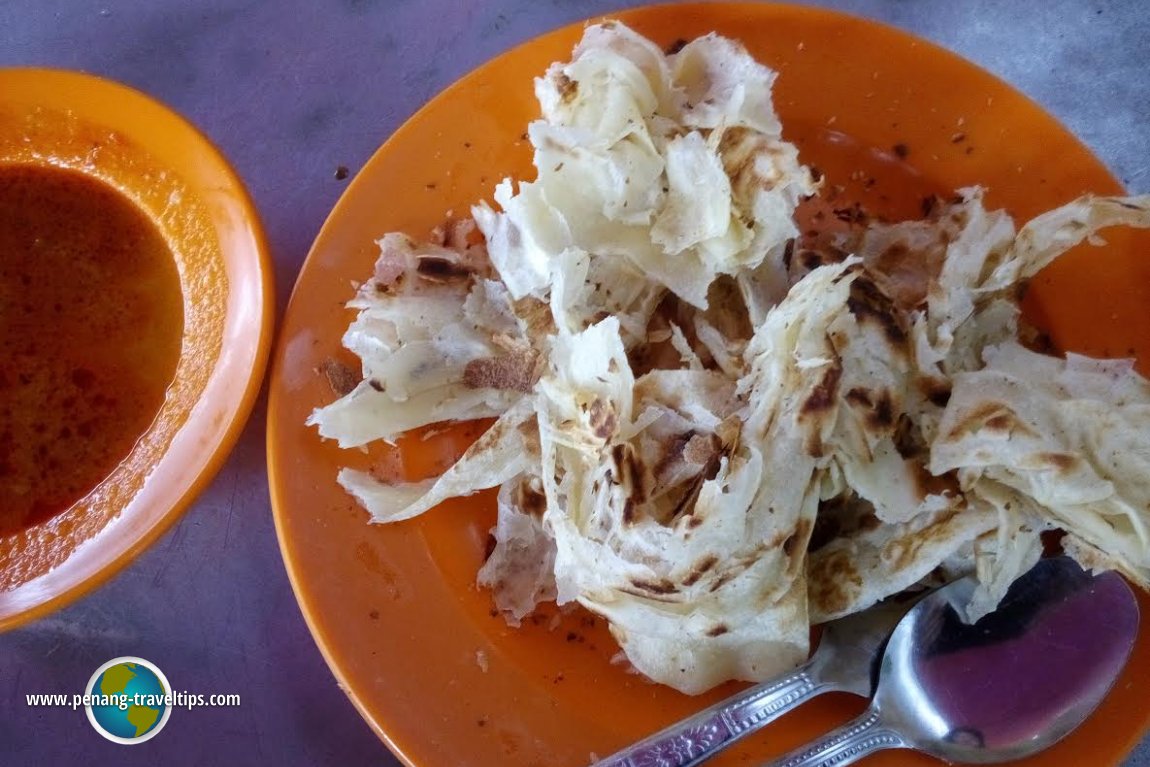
x: 131, y: 700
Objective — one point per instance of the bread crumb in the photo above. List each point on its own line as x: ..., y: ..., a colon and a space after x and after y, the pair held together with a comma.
x: 340, y: 376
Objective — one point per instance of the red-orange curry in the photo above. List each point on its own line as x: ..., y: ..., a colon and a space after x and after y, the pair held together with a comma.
x: 91, y: 321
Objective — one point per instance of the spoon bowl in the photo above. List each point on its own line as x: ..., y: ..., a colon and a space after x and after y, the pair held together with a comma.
x: 1005, y: 687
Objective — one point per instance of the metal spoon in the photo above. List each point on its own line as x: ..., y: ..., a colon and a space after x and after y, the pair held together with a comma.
x: 1008, y: 686
x: 846, y: 661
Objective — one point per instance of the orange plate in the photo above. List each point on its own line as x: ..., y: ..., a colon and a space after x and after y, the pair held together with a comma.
x: 395, y: 610
x: 165, y: 166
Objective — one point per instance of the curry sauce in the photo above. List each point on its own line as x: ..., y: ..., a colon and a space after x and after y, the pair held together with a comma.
x: 91, y: 321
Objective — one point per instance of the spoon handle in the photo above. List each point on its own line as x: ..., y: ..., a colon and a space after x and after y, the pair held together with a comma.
x: 846, y: 745
x: 698, y: 738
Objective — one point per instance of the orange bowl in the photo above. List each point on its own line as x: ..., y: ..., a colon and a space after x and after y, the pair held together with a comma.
x: 160, y: 162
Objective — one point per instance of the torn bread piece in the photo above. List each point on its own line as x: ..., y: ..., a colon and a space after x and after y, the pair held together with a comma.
x: 697, y: 440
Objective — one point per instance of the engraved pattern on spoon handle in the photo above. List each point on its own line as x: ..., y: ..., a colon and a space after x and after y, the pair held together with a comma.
x: 698, y: 738
x: 846, y: 745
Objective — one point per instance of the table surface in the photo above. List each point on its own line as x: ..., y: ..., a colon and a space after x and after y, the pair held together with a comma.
x: 290, y: 90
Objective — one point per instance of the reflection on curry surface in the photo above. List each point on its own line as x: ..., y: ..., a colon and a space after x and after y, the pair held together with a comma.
x: 91, y: 320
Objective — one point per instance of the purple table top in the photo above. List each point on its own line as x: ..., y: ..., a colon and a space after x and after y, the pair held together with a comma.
x: 290, y: 91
